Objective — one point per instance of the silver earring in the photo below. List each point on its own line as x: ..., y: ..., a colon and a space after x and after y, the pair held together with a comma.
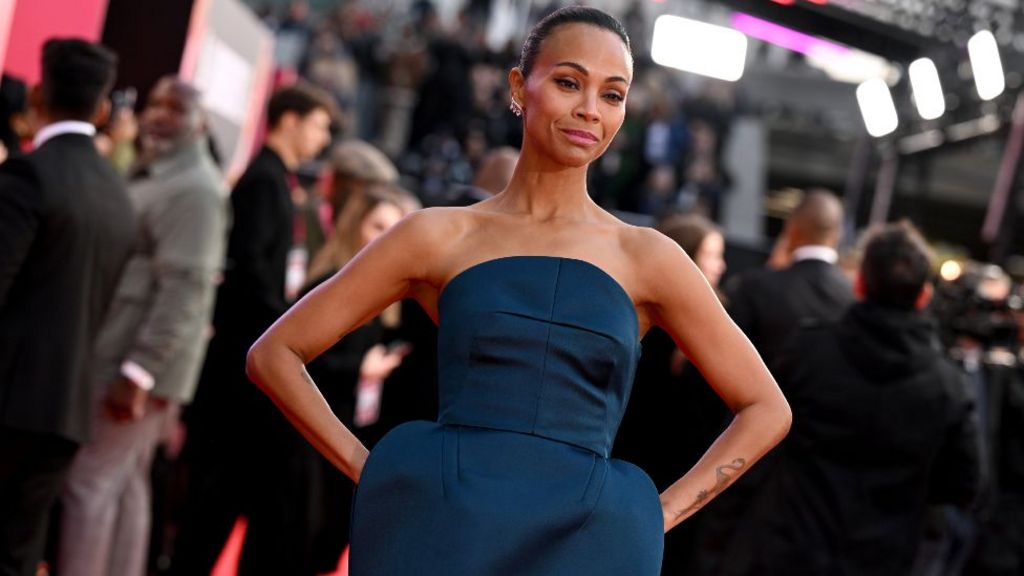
x: 516, y: 108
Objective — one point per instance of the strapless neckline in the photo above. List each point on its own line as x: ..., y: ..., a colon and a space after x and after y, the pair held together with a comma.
x: 482, y: 265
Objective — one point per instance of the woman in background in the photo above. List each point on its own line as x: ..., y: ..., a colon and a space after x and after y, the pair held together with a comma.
x: 703, y: 242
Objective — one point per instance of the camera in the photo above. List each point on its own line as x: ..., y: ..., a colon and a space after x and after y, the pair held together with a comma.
x: 980, y: 302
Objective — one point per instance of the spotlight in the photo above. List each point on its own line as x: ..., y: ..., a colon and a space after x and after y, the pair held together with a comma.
x: 698, y: 47
x: 877, y: 107
x: 988, y: 68
x: 924, y: 78
x: 950, y: 270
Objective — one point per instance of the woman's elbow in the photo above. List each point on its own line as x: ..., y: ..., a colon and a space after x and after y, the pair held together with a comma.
x: 256, y: 361
x: 781, y: 419
x: 785, y: 419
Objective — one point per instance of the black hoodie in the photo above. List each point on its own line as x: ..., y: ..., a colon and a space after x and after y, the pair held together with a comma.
x: 881, y: 427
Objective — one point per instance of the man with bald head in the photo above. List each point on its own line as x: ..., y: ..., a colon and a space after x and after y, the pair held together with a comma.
x: 152, y: 343
x: 770, y: 306
x: 801, y: 286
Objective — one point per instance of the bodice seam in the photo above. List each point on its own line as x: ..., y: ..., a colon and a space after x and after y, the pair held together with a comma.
x: 547, y: 348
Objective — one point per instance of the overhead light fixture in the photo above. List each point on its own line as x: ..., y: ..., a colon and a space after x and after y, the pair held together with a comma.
x: 877, y: 107
x: 699, y: 47
x: 924, y: 79
x: 987, y: 66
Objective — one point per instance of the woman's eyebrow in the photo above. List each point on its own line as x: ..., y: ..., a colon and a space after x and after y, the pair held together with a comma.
x: 582, y: 70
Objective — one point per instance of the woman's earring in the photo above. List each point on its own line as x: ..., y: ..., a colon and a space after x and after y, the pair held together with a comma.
x: 515, y: 108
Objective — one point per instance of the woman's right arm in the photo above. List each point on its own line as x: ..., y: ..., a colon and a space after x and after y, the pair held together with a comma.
x: 391, y: 268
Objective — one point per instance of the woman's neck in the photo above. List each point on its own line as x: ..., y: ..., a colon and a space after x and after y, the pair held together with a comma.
x: 545, y: 190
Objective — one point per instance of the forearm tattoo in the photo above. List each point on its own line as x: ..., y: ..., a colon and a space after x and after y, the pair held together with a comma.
x: 724, y: 475
x: 306, y: 377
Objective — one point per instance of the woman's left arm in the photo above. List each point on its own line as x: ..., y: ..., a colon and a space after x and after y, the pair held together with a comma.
x: 680, y: 301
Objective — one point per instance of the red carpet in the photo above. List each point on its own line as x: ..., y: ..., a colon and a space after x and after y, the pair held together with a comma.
x: 227, y: 564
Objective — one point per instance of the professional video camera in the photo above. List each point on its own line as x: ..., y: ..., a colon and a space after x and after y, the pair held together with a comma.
x: 977, y: 301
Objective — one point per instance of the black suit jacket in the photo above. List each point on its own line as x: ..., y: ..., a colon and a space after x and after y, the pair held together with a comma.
x: 252, y: 295
x: 227, y: 406
x: 769, y: 306
x: 66, y: 230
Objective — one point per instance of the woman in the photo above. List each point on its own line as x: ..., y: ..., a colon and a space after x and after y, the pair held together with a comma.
x: 541, y: 297
x: 702, y: 241
x: 352, y: 372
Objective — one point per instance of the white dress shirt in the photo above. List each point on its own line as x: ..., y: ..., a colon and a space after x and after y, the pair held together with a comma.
x: 63, y: 127
x: 816, y: 252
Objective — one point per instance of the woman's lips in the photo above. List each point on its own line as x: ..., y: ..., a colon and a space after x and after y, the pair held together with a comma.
x: 581, y: 137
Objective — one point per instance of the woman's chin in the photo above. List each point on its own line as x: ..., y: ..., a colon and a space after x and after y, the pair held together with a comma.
x: 577, y: 158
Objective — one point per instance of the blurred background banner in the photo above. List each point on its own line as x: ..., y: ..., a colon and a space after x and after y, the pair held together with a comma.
x: 6, y: 14
x: 229, y: 57
x: 219, y: 45
x: 35, y: 21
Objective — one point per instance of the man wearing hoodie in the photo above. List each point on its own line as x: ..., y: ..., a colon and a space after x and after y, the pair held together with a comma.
x: 881, y: 428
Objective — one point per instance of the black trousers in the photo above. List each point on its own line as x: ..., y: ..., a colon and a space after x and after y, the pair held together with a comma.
x: 274, y: 485
x: 32, y: 471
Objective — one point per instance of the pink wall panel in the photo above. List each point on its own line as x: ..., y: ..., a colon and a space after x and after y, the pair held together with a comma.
x: 6, y: 14
x: 35, y: 21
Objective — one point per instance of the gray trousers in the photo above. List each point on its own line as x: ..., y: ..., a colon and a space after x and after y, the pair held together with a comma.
x: 107, y: 501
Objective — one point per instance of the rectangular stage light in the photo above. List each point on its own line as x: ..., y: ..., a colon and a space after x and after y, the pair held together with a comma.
x: 877, y: 107
x: 699, y: 47
x: 928, y: 96
x: 988, y: 68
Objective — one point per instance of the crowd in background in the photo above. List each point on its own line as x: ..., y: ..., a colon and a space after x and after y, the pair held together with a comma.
x: 378, y: 114
x: 434, y: 99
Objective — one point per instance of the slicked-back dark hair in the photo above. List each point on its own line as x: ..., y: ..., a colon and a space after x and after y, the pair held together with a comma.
x: 562, y: 17
x: 301, y: 99
x: 897, y: 264
x: 76, y: 77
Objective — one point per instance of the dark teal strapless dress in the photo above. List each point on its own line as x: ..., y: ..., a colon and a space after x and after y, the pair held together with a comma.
x: 536, y: 362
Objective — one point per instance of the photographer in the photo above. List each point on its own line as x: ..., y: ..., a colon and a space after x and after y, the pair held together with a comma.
x: 982, y: 317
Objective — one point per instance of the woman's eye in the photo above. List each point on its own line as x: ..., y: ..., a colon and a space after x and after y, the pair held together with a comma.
x: 566, y: 83
x: 615, y: 96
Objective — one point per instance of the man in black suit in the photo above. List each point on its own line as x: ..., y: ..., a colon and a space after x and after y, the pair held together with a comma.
x: 881, y: 427
x: 66, y: 230
x: 769, y: 306
x: 238, y: 444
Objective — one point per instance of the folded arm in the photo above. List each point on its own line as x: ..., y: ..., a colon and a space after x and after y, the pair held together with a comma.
x: 683, y: 304
x: 387, y: 270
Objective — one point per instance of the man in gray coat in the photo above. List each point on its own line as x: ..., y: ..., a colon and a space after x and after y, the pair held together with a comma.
x: 150, y: 349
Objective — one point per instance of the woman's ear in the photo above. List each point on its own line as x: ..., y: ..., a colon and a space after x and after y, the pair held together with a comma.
x: 516, y: 86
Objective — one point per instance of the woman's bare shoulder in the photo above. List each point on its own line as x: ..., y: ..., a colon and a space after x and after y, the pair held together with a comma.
x: 654, y: 257
x: 436, y: 227
x: 644, y: 244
